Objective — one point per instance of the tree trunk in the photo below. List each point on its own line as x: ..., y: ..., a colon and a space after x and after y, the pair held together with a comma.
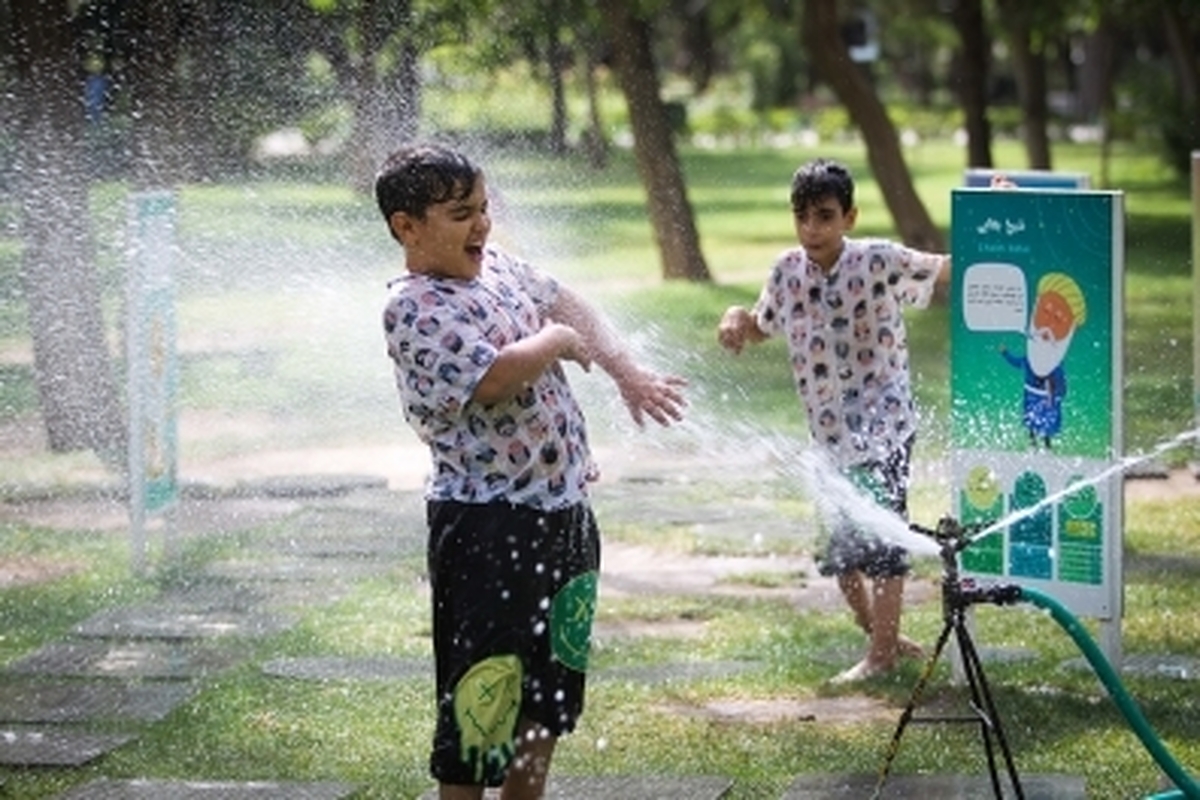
x: 823, y: 40
x: 1029, y: 67
x: 595, y: 143
x: 386, y: 106
x: 158, y: 157
x: 654, y: 146
x: 207, y: 158
x: 556, y: 62
x: 972, y: 80
x: 698, y: 53
x: 1096, y: 96
x: 72, y: 364
x: 1183, y: 61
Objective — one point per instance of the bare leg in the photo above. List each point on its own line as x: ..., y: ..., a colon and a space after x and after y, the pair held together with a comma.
x: 879, y: 616
x: 854, y: 589
x: 885, y: 623
x: 889, y: 600
x: 526, y: 779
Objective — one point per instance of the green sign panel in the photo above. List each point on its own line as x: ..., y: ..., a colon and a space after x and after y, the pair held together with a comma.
x: 1036, y: 388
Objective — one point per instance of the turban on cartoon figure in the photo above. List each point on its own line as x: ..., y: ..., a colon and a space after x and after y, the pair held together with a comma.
x: 1058, y: 310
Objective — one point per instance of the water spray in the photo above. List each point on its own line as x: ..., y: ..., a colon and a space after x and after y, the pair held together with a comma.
x: 1120, y: 467
x: 958, y: 594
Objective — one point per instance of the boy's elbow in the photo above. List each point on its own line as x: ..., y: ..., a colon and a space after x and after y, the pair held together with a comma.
x: 492, y: 388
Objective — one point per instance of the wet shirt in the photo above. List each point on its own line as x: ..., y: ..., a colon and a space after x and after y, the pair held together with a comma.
x: 442, y: 335
x: 847, y: 343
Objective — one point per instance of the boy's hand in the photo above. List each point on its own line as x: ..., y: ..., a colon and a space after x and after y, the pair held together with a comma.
x: 648, y: 393
x: 736, y: 327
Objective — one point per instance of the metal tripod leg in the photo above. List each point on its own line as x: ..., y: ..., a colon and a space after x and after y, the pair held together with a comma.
x: 907, y: 715
x: 989, y: 719
x: 981, y: 701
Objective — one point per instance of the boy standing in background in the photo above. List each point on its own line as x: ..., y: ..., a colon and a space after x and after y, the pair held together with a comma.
x: 839, y: 303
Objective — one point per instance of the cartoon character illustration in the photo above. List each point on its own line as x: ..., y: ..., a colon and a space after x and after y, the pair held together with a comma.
x: 1058, y: 311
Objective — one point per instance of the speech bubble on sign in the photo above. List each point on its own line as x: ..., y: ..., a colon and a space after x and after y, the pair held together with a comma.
x: 994, y: 297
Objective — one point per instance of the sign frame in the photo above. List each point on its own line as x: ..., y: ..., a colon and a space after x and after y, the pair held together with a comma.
x: 152, y: 366
x: 1009, y: 459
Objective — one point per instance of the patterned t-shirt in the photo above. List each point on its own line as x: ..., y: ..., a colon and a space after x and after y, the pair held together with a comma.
x: 442, y: 335
x: 847, y: 342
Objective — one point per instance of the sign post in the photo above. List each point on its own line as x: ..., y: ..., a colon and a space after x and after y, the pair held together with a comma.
x: 152, y: 368
x: 1036, y: 392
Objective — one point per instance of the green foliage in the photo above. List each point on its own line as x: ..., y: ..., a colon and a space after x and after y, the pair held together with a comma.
x: 927, y: 123
x: 1151, y: 104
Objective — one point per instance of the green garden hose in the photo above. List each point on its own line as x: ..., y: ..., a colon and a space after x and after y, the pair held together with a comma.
x: 1108, y: 676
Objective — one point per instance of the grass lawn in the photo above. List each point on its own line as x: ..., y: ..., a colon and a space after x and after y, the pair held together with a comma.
x: 278, y: 302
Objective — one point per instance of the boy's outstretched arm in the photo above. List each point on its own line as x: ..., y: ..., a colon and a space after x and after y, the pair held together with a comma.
x: 738, y: 328
x: 520, y: 363
x: 646, y: 393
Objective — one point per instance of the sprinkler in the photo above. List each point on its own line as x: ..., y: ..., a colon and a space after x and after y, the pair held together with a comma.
x: 958, y: 594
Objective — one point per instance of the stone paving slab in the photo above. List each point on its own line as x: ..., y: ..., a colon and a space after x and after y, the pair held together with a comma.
x: 213, y: 595
x: 289, y: 596
x: 736, y: 520
x: 675, y: 671
x: 158, y: 622
x: 933, y: 787
x: 627, y: 787
x: 54, y: 746
x: 348, y: 530
x: 369, y: 668
x: 142, y: 789
x: 138, y: 659
x: 344, y: 546
x: 312, y: 486
x: 58, y: 701
x: 308, y: 570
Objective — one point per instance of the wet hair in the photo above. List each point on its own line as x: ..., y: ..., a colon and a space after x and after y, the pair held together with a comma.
x: 820, y: 179
x: 414, y: 178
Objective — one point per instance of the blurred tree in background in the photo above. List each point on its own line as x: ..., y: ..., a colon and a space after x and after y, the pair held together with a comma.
x: 154, y: 94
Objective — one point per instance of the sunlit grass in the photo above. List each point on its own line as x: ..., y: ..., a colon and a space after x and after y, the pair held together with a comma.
x: 280, y: 288
x: 92, y: 571
x: 248, y: 725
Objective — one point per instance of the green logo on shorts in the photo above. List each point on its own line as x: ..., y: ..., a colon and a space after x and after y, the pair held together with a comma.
x: 868, y: 481
x: 571, y: 621
x: 487, y: 700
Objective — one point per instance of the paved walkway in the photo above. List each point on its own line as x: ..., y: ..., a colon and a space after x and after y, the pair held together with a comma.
x: 129, y: 667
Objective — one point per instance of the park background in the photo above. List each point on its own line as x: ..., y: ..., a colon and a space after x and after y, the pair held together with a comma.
x: 266, y: 120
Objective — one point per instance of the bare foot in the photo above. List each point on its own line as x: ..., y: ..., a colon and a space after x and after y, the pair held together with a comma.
x: 861, y: 671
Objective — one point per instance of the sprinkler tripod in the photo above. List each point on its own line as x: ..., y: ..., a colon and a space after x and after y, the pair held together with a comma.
x: 957, y: 596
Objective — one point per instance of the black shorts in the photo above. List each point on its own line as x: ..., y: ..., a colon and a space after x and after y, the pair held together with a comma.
x: 514, y: 595
x: 851, y: 549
